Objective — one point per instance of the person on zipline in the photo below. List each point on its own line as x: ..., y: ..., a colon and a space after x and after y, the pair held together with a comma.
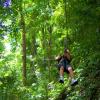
x: 64, y: 66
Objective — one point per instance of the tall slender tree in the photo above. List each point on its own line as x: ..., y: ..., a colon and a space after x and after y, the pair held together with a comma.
x: 22, y: 21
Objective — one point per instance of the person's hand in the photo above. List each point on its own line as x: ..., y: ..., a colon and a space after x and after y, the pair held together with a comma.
x: 57, y: 58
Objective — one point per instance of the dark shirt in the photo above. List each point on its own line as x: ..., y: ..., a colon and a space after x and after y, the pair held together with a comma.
x: 64, y: 60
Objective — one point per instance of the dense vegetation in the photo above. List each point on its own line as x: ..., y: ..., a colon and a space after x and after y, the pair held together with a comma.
x: 33, y: 33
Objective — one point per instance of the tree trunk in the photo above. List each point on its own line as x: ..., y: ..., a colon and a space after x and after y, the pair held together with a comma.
x: 23, y: 46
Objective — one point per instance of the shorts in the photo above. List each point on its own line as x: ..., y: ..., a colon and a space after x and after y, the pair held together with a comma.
x: 65, y: 64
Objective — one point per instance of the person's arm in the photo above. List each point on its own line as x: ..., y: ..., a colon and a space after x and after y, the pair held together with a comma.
x: 58, y: 58
x: 68, y: 55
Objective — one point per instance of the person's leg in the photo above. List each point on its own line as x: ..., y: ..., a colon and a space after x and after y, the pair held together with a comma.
x: 61, y: 72
x: 71, y: 74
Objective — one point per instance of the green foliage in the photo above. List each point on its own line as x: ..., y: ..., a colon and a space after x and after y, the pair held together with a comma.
x: 51, y: 25
x: 1, y: 47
